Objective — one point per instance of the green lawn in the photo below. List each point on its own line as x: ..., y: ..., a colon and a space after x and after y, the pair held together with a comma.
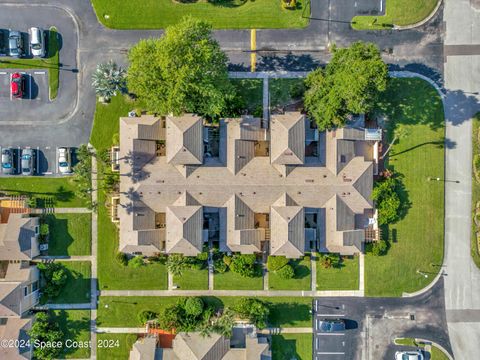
x: 114, y: 346
x: 70, y: 234
x: 251, y: 91
x: 398, y: 12
x: 60, y: 192
x: 111, y: 274
x: 222, y: 14
x: 417, y: 240
x: 50, y: 62
x: 75, y: 325
x: 301, y: 281
x: 192, y: 279
x: 233, y: 281
x: 475, y: 251
x: 292, y: 346
x: 437, y: 354
x: 285, y: 91
x: 122, y: 311
x: 344, y: 277
x: 77, y: 288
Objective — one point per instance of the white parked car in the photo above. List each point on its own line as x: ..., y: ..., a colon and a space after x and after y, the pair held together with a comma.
x: 37, y: 42
x: 409, y: 355
x: 64, y: 161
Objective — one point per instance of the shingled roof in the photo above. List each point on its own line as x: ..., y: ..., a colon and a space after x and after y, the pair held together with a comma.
x: 287, y: 139
x: 17, y: 238
x: 287, y: 224
x: 185, y: 140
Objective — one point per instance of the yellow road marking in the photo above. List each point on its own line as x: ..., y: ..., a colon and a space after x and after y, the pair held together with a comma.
x: 253, y: 47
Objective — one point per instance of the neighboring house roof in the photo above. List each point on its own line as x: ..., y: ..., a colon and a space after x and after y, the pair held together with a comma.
x: 16, y: 238
x: 287, y: 139
x: 287, y: 225
x: 185, y: 140
x: 11, y: 287
x: 145, y: 349
x: 15, y: 329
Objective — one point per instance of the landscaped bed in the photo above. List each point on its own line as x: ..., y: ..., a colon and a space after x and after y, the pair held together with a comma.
x: 292, y: 346
x: 284, y: 92
x: 70, y: 234
x: 417, y: 240
x: 192, y: 279
x: 234, y: 281
x: 301, y: 280
x: 58, y: 192
x: 398, y: 12
x: 77, y: 286
x: 223, y: 14
x: 342, y: 277
x: 475, y: 241
x: 114, y: 346
x: 122, y: 311
x: 75, y: 325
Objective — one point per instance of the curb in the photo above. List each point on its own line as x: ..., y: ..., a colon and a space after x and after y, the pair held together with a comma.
x: 422, y: 22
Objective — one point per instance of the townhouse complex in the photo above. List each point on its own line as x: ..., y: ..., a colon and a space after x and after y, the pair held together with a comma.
x: 246, y: 185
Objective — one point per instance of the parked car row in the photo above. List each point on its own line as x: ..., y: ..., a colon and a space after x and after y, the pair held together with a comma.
x: 12, y: 43
x: 28, y: 161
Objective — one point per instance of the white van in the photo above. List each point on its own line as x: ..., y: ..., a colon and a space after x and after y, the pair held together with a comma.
x: 37, y: 42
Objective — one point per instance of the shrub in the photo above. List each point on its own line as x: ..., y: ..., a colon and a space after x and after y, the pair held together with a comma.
x: 387, y: 200
x: 160, y: 258
x: 244, y: 264
x: 32, y: 202
x: 289, y: 4
x: 275, y: 263
x: 286, y: 272
x: 220, y: 266
x: 330, y: 260
x: 146, y: 315
x: 297, y: 90
x: 44, y: 230
x: 194, y: 306
x: 177, y: 263
x: 55, y: 276
x: 203, y: 256
x: 379, y: 248
x: 476, y: 165
x: 136, y: 262
x: 122, y: 258
x: 227, y: 260
x: 197, y: 265
x: 253, y: 309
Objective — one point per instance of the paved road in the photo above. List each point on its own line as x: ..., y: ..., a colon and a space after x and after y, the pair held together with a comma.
x: 373, y: 323
x: 462, y: 81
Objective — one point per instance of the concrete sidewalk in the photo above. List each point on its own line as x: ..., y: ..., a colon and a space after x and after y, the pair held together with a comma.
x: 65, y: 258
x: 253, y: 293
x: 121, y: 330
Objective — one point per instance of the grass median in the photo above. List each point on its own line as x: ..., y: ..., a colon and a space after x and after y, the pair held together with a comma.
x: 398, y: 12
x: 222, y: 14
x: 416, y: 241
x: 475, y: 237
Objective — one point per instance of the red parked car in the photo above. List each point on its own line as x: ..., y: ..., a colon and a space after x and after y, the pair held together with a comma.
x: 17, y: 85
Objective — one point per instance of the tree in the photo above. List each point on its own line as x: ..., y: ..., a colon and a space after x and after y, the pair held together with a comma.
x: 108, y: 79
x: 286, y: 272
x: 55, y: 276
x: 387, y: 200
x: 194, y: 306
x: 136, y: 262
x: 275, y: 263
x: 177, y: 264
x: 184, y: 71
x: 253, y: 309
x: 146, y: 315
x: 244, y: 264
x: 399, y: 133
x: 330, y: 260
x: 122, y: 258
x: 349, y: 84
x: 45, y: 329
x: 379, y: 248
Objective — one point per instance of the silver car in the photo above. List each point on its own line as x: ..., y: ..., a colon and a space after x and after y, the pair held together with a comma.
x: 409, y: 355
x: 7, y: 161
x: 64, y: 161
x: 15, y: 44
x: 28, y: 162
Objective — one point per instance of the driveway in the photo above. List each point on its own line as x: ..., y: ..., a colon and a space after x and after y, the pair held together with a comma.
x: 373, y: 324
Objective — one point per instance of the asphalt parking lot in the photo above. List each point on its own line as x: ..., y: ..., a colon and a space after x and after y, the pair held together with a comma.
x: 35, y: 92
x: 335, y: 345
x: 46, y: 161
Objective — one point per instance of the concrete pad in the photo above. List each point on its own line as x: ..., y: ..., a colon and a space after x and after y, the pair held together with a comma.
x: 463, y: 23
x: 463, y: 72
x: 464, y: 339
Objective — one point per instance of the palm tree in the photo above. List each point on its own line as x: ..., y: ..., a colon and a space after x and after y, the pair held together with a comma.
x: 107, y: 79
x: 400, y: 132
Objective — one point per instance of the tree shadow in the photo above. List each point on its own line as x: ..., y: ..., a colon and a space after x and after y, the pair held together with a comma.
x: 71, y: 328
x: 136, y: 162
x: 301, y: 271
x: 288, y: 314
x: 227, y: 3
x: 440, y: 144
x: 273, y: 61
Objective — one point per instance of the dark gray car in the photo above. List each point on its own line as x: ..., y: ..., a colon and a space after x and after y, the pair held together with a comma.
x: 7, y: 161
x: 331, y: 325
x: 28, y: 162
x: 15, y: 44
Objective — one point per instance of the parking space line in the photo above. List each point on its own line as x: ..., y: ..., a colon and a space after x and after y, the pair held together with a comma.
x: 38, y: 160
x: 330, y: 353
x: 3, y: 73
x: 330, y: 315
x: 30, y: 87
x: 39, y: 72
x: 330, y: 334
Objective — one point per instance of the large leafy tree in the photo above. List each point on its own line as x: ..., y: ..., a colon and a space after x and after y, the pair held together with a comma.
x: 45, y: 329
x: 349, y: 84
x: 184, y: 71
